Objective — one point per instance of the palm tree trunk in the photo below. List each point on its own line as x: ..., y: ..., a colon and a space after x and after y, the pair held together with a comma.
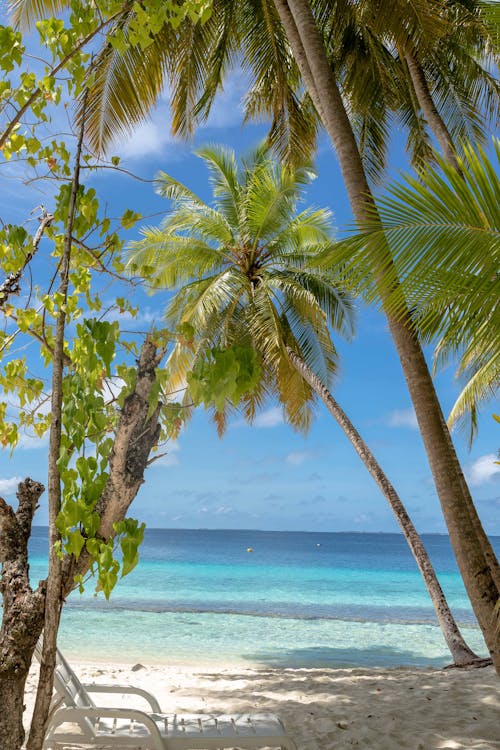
x: 450, y: 483
x: 431, y: 115
x: 461, y: 653
x: 443, y: 137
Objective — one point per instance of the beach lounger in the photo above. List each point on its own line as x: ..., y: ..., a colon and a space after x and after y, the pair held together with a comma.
x: 76, y: 721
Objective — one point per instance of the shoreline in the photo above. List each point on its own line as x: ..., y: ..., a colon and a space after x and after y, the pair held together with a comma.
x: 323, y: 708
x: 253, y: 641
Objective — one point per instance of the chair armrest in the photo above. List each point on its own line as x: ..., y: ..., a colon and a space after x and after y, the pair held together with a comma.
x: 124, y: 689
x: 77, y: 715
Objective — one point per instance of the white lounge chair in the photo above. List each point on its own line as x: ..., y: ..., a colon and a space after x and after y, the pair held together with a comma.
x: 77, y: 722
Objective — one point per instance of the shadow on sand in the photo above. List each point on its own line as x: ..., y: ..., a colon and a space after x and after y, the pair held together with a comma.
x: 330, y: 657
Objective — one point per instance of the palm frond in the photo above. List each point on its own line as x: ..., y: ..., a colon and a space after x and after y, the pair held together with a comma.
x: 480, y: 387
x: 169, y: 260
x: 224, y: 178
x: 25, y: 13
x: 124, y: 85
x: 444, y: 234
x: 234, y: 288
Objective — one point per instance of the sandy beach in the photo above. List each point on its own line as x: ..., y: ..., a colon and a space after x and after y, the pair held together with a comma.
x: 328, y: 709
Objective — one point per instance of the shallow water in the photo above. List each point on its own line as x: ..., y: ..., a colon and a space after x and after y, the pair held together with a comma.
x: 298, y: 599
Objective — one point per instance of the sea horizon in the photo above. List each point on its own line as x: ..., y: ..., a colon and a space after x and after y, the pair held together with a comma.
x: 285, y: 531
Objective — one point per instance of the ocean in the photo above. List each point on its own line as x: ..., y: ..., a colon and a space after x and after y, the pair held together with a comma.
x: 287, y: 599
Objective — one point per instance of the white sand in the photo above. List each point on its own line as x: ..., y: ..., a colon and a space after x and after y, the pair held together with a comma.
x: 329, y: 709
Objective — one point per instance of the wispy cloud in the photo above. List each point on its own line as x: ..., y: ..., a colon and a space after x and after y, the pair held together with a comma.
x: 32, y: 442
x: 403, y: 418
x: 9, y: 486
x: 227, y: 109
x: 296, y: 458
x: 150, y: 138
x: 482, y: 470
x: 143, y: 319
x: 153, y: 137
x: 170, y: 455
x: 262, y: 478
x: 270, y: 418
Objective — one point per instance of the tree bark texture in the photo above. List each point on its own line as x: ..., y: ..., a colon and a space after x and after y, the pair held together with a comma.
x: 23, y: 611
x: 134, y: 438
x: 461, y: 653
x: 12, y: 285
x: 450, y: 484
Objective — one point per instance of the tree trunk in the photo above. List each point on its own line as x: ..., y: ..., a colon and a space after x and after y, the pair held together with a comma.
x: 450, y: 483
x: 431, y: 115
x: 135, y: 436
x: 443, y: 137
x: 23, y: 611
x: 462, y: 655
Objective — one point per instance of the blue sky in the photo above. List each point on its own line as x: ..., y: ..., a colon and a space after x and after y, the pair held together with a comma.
x: 266, y: 476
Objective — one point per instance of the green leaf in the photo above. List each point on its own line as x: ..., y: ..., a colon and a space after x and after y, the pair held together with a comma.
x: 130, y: 218
x: 131, y: 537
x: 74, y: 543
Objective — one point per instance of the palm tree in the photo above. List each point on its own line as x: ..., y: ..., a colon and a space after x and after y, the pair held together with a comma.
x: 432, y: 73
x: 242, y: 272
x: 444, y: 233
x: 196, y: 60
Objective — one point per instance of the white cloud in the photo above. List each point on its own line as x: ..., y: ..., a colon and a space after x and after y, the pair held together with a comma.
x: 482, y: 470
x: 143, y: 319
x: 296, y: 458
x: 403, y: 418
x: 152, y: 137
x: 270, y: 418
x: 148, y: 138
x: 32, y: 442
x: 227, y: 109
x: 9, y: 486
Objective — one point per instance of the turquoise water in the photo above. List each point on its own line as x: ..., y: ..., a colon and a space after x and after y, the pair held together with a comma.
x: 297, y: 600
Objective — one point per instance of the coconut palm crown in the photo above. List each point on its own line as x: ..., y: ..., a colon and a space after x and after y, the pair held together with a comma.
x: 241, y: 271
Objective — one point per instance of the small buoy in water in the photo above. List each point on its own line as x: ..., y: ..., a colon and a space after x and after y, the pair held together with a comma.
x: 249, y: 549
x: 318, y: 545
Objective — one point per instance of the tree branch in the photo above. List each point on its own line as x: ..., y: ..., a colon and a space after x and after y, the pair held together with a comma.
x: 15, y: 526
x: 136, y: 434
x: 11, y: 284
x: 38, y: 91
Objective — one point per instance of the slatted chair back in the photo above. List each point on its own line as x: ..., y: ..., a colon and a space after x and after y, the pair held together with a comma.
x: 70, y: 691
x: 69, y: 687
